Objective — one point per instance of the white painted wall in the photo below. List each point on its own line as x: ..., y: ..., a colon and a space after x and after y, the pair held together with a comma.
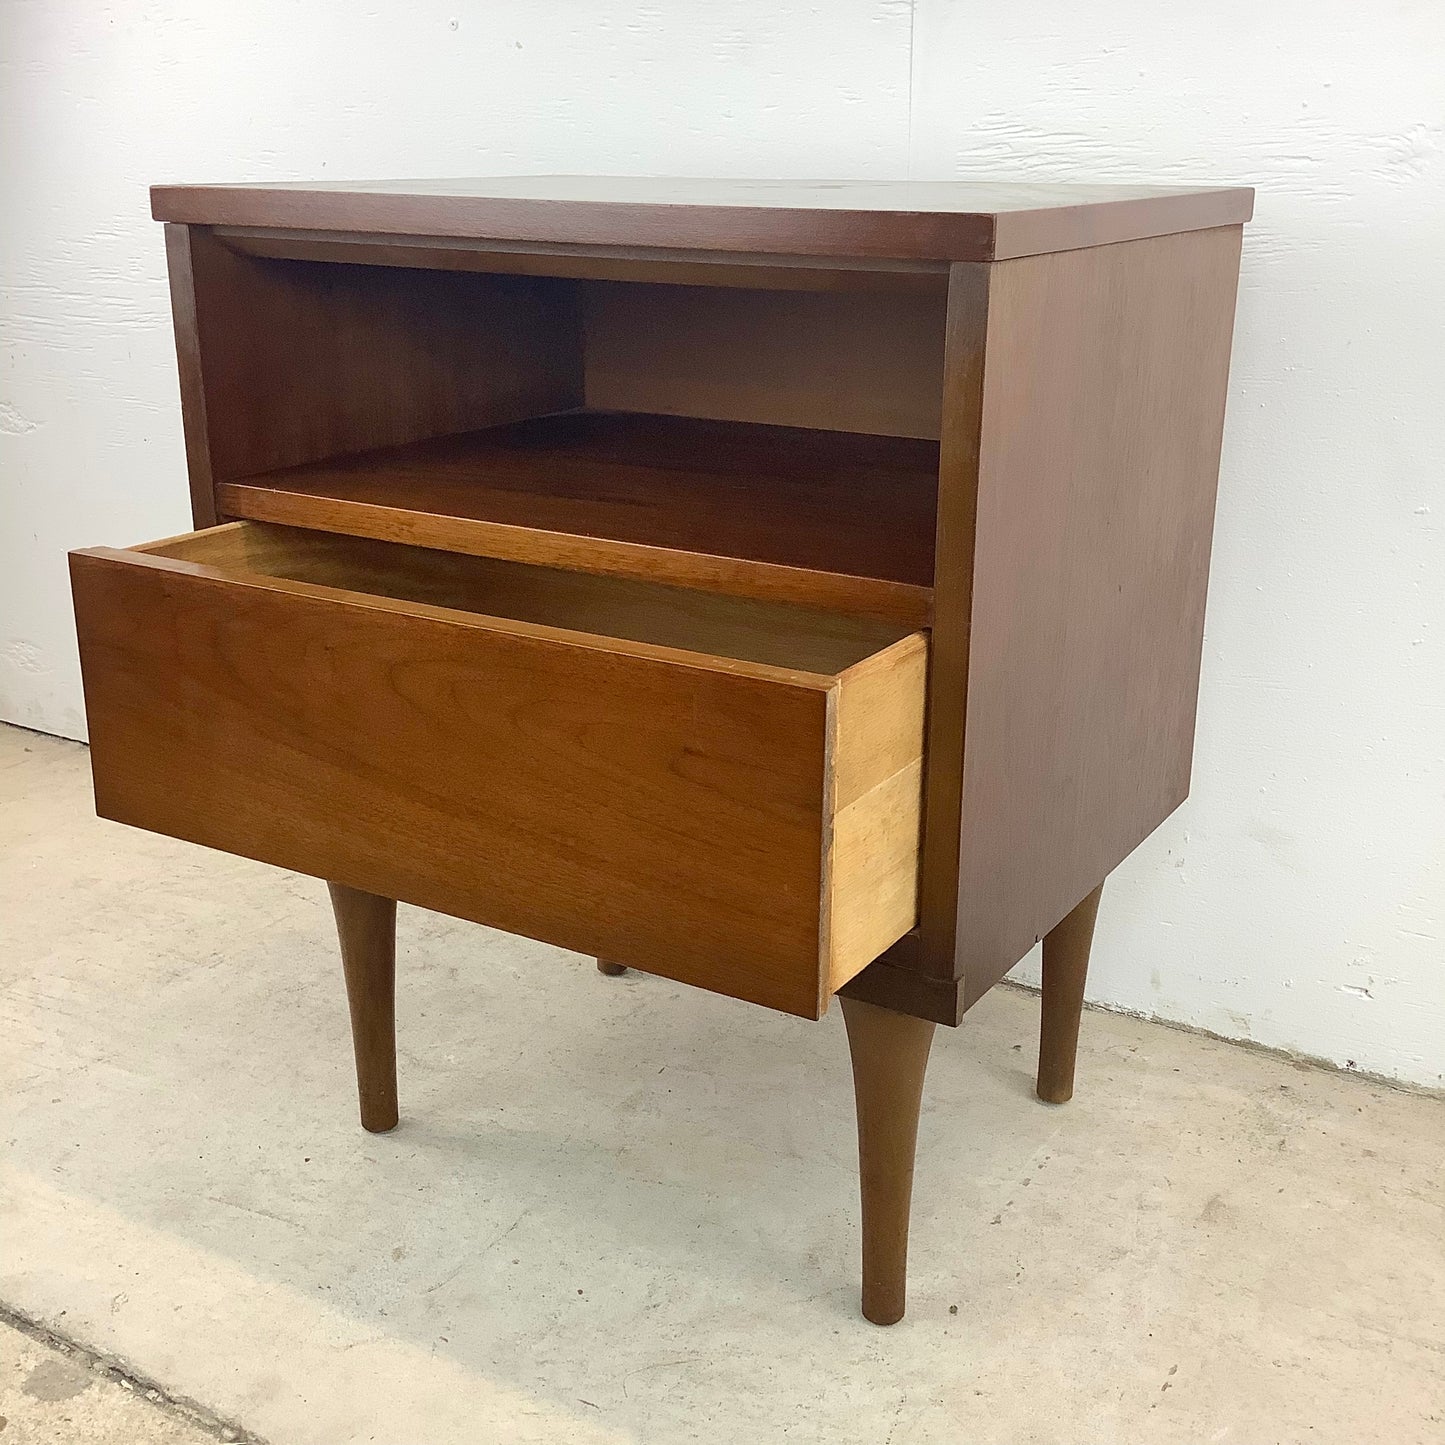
x: 1297, y: 898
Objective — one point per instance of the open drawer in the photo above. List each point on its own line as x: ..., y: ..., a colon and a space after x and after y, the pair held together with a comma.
x: 721, y: 790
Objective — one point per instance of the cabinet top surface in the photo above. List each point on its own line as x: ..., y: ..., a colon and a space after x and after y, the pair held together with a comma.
x: 916, y: 220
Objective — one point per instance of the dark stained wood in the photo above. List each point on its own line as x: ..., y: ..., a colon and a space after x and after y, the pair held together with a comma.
x: 286, y: 362
x: 890, y: 1056
x: 921, y: 973
x: 622, y: 798
x: 656, y: 264
x: 366, y: 927
x: 1103, y: 407
x: 1043, y: 230
x: 183, y: 283
x: 831, y: 519
x: 847, y: 363
x: 1079, y: 418
x: 920, y: 220
x: 938, y: 950
x: 1066, y: 966
x: 633, y: 425
x: 1083, y: 402
x: 896, y: 981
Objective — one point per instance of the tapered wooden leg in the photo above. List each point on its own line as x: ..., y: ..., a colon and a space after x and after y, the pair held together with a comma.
x: 367, y: 928
x: 1066, y: 965
x: 890, y: 1055
x: 611, y: 969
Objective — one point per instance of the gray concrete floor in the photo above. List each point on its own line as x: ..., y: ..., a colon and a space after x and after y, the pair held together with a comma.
x: 55, y: 1394
x: 621, y: 1210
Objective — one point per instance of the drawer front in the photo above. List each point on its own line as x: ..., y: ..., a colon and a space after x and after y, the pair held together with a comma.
x: 743, y: 827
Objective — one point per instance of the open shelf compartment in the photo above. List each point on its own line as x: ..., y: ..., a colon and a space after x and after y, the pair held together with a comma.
x: 829, y: 519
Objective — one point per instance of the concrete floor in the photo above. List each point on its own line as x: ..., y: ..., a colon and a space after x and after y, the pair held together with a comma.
x: 50, y: 1393
x: 620, y: 1210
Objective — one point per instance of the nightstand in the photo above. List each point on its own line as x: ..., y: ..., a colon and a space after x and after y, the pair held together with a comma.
x: 791, y: 589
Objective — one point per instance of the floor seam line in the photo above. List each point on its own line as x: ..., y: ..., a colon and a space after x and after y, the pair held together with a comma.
x: 115, y: 1370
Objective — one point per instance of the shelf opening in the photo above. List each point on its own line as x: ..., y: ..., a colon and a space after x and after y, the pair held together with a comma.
x: 831, y: 519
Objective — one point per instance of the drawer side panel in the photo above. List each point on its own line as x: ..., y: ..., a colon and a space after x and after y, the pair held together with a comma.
x: 872, y: 897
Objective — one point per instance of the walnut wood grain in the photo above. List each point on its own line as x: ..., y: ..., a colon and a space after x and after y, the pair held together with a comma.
x: 826, y: 518
x: 618, y: 797
x: 1067, y: 501
x: 1083, y: 411
x: 1103, y: 412
x: 618, y: 609
x: 284, y: 363
x: 649, y: 686
x: 923, y: 220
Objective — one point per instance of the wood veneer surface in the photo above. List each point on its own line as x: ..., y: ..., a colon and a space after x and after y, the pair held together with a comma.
x: 666, y: 497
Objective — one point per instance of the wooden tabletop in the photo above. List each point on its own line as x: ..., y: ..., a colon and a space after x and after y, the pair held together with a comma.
x: 911, y: 220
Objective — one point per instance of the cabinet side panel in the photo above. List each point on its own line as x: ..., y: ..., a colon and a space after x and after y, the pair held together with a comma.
x: 284, y: 362
x: 1103, y: 408
x: 188, y: 365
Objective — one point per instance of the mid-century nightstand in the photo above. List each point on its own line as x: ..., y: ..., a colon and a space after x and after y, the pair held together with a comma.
x: 793, y: 589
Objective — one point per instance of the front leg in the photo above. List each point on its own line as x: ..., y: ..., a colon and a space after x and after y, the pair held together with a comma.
x: 890, y: 1055
x: 366, y: 925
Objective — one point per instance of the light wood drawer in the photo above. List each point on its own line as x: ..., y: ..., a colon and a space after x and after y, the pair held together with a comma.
x: 720, y: 790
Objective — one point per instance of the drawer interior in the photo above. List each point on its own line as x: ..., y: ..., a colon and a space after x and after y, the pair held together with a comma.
x: 750, y: 631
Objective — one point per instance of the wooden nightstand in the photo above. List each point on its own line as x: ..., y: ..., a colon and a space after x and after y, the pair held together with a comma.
x: 792, y: 589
